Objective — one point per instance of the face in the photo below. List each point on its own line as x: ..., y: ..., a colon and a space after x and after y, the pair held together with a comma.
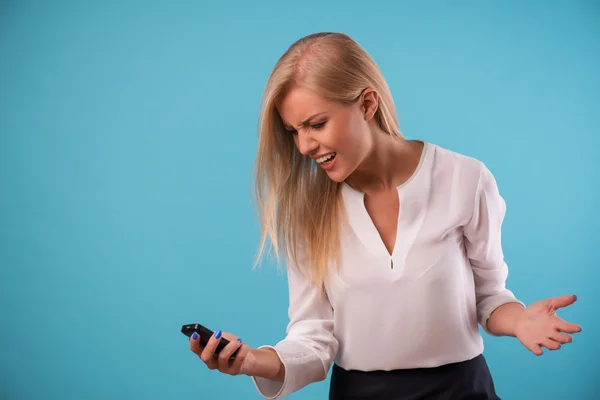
x: 335, y: 135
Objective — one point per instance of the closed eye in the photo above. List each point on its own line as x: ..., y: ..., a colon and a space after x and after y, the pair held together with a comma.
x: 313, y: 126
x: 319, y: 125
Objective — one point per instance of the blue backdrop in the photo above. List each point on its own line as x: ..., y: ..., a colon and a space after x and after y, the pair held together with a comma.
x: 128, y: 134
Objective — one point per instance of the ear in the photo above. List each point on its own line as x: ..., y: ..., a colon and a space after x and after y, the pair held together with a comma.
x: 370, y: 103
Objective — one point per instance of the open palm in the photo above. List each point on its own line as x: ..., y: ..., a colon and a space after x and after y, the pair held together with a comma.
x: 539, y: 326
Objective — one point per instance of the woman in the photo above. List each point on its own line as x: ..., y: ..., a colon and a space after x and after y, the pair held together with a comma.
x: 393, y: 246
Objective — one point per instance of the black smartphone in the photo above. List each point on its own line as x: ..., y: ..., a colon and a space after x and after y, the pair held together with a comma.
x: 205, y: 334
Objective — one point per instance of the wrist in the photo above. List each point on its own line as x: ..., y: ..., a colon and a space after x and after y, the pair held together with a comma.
x: 248, y: 366
x: 264, y: 363
x: 504, y: 320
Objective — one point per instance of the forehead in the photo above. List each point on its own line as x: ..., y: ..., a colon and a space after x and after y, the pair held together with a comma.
x: 300, y: 103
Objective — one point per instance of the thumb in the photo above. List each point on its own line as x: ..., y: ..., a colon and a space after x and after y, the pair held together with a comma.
x: 563, y: 301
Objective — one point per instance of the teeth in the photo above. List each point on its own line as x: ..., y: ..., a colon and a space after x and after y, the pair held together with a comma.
x: 325, y: 158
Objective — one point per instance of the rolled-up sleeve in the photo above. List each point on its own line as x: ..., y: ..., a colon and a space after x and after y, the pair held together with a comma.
x: 483, y: 244
x: 309, y: 348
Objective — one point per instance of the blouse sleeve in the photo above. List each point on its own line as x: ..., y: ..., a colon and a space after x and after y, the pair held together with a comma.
x: 309, y: 348
x: 484, y: 248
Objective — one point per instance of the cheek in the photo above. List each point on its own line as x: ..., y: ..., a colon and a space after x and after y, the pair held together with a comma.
x: 354, y: 139
x: 357, y: 146
x: 343, y: 134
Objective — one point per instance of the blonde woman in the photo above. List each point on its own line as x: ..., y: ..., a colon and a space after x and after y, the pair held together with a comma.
x: 393, y: 246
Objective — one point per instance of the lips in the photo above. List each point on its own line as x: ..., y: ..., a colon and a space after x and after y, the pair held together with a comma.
x: 326, y: 159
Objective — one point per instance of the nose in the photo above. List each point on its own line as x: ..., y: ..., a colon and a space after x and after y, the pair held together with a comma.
x: 305, y: 143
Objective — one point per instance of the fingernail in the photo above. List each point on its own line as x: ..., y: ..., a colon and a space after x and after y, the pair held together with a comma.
x: 218, y: 334
x: 239, y: 340
x: 195, y: 336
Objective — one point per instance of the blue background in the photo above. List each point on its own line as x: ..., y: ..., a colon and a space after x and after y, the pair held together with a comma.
x: 128, y: 133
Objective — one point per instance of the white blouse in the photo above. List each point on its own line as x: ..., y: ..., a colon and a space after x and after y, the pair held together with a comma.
x: 419, y: 307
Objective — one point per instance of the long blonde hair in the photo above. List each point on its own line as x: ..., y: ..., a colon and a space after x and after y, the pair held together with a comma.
x: 300, y: 208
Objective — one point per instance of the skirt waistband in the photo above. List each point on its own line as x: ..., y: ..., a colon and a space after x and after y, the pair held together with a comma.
x: 469, y: 379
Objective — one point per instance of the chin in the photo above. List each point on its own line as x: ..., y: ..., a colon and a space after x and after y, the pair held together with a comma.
x: 336, y: 176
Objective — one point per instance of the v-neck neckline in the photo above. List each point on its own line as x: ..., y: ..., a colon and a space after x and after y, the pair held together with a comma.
x: 365, y: 229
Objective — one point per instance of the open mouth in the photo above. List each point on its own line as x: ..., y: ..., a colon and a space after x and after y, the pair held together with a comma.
x: 327, y: 159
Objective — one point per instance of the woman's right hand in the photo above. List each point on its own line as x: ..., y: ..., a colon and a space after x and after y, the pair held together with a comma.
x: 222, y: 362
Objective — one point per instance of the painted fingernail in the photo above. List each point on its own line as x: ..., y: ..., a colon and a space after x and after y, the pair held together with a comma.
x: 239, y: 340
x: 195, y: 336
x: 218, y: 334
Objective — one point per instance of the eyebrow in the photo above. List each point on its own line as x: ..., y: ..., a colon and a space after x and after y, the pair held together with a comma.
x: 306, y: 121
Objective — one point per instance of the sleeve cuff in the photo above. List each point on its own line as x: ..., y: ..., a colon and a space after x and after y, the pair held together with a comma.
x: 491, y: 305
x: 270, y: 389
x: 303, y: 365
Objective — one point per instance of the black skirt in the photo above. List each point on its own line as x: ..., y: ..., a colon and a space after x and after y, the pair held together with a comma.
x: 457, y: 381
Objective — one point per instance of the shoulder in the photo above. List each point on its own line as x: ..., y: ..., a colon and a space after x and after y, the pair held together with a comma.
x: 457, y: 174
x: 449, y: 164
x: 450, y: 160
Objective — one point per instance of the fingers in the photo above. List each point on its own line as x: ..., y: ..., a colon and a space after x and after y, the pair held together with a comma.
x: 226, y: 363
x: 534, y: 348
x: 567, y: 327
x: 222, y: 361
x: 199, y: 350
x: 240, y: 358
x: 550, y: 344
x: 561, y: 338
x: 195, y: 345
x: 553, y: 342
x: 208, y: 354
x: 227, y: 352
x: 563, y: 301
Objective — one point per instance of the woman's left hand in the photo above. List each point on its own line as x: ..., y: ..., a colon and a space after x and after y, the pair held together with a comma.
x: 538, y: 325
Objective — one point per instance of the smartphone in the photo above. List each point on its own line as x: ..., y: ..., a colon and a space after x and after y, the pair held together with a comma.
x: 205, y: 334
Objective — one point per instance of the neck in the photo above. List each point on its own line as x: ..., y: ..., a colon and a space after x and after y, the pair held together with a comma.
x: 389, y: 163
